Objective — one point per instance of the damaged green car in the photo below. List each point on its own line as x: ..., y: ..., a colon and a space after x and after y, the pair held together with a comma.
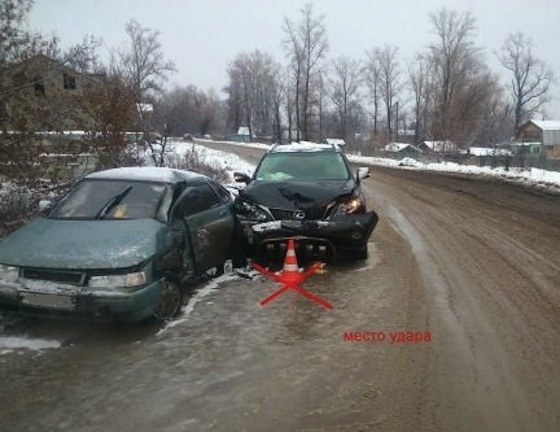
x: 122, y: 244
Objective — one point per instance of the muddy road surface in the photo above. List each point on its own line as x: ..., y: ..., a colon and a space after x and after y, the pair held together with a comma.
x: 452, y: 324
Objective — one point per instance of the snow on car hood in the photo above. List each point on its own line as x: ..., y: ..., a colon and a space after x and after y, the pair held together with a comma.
x: 296, y: 195
x: 83, y: 244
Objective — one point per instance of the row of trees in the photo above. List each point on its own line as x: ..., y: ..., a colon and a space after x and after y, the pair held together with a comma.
x: 447, y: 92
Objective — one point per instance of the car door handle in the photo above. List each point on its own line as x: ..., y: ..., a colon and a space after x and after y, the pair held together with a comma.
x: 223, y: 213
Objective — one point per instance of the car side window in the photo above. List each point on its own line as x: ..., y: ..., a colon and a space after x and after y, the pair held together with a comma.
x: 222, y: 192
x: 198, y: 198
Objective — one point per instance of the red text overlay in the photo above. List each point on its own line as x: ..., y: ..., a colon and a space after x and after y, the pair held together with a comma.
x: 396, y: 337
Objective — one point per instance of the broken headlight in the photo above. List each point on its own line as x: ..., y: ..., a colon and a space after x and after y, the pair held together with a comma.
x: 129, y: 280
x: 351, y: 205
x: 8, y: 273
x: 248, y: 210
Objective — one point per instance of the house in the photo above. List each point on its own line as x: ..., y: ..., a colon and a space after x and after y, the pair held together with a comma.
x: 438, y: 146
x: 335, y: 141
x: 47, y: 106
x: 47, y: 96
x: 403, y: 149
x: 243, y: 135
x: 486, y: 151
x: 538, y: 137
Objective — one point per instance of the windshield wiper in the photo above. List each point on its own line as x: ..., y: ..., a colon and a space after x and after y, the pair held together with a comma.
x: 112, y: 203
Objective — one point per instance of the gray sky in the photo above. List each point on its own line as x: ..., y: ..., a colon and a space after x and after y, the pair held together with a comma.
x: 202, y: 36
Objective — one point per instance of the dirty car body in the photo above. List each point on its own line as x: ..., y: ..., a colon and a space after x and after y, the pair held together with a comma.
x: 307, y: 192
x: 120, y: 245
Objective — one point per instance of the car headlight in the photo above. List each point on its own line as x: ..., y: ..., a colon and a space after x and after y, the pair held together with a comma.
x: 8, y: 273
x: 251, y: 211
x: 129, y: 280
x: 349, y: 206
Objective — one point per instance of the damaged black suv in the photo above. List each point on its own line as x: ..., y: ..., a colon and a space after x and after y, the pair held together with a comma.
x: 308, y: 192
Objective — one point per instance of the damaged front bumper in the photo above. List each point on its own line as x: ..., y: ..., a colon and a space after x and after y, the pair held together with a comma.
x: 321, y: 240
x: 42, y: 298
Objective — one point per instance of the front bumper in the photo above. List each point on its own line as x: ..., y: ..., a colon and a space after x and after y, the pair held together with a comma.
x: 321, y: 240
x: 42, y: 298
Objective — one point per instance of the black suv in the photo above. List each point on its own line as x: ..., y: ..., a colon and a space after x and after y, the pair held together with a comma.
x: 307, y: 192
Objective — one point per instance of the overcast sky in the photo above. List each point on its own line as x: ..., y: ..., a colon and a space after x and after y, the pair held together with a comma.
x: 202, y: 36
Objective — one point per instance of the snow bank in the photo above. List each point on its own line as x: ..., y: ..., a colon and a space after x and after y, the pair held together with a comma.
x: 532, y: 176
x: 9, y: 344
x: 229, y: 162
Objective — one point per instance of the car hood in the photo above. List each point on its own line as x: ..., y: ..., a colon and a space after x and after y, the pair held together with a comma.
x: 79, y: 244
x: 296, y: 195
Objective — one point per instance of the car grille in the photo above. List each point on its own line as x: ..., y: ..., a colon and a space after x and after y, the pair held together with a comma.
x: 306, y: 249
x: 310, y: 214
x: 74, y: 278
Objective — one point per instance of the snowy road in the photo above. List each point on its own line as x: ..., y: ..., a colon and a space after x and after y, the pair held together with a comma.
x: 476, y: 265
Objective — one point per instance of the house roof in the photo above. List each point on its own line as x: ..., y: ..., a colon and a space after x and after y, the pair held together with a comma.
x: 145, y: 107
x: 397, y: 147
x: 488, y: 151
x: 546, y: 124
x: 337, y: 141
x: 440, y: 146
x: 56, y: 64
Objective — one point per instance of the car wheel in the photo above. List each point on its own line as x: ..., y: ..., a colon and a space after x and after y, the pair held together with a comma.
x: 170, y: 302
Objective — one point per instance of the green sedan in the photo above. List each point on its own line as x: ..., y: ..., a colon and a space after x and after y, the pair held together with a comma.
x: 122, y: 244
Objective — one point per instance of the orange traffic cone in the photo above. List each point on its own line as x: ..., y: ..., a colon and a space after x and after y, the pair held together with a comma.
x: 291, y: 270
x: 290, y: 276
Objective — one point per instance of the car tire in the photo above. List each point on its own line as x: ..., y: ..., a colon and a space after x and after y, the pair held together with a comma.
x: 171, y: 301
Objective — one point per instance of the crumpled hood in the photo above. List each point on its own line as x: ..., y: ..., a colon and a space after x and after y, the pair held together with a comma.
x: 296, y: 195
x: 79, y: 244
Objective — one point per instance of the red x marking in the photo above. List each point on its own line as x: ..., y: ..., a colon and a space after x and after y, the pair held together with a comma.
x: 291, y: 280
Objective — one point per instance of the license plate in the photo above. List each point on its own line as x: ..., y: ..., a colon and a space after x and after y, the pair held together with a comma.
x: 291, y: 224
x: 52, y: 301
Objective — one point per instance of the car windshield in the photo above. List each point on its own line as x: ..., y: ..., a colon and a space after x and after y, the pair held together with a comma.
x: 302, y: 166
x: 113, y: 199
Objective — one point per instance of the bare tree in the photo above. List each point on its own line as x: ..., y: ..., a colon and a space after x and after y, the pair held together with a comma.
x: 84, y: 57
x: 345, y: 91
x: 372, y: 74
x: 530, y: 76
x: 253, y: 93
x: 306, y: 45
x: 462, y: 83
x: 498, y: 124
x: 419, y: 75
x: 144, y: 68
x: 111, y: 109
x: 389, y: 83
x: 143, y: 63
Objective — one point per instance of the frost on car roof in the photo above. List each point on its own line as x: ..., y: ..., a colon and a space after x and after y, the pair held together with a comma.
x: 156, y: 174
x: 303, y: 146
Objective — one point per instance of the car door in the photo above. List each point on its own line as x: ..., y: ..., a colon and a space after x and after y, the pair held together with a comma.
x: 210, y: 224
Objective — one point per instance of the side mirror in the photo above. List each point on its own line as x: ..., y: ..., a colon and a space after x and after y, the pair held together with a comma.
x: 363, y: 172
x: 45, y: 205
x: 241, y: 178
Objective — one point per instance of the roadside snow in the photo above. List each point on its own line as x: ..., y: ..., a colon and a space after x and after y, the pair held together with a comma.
x: 208, y: 289
x: 229, y: 162
x: 236, y: 143
x: 531, y: 176
x: 9, y: 344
